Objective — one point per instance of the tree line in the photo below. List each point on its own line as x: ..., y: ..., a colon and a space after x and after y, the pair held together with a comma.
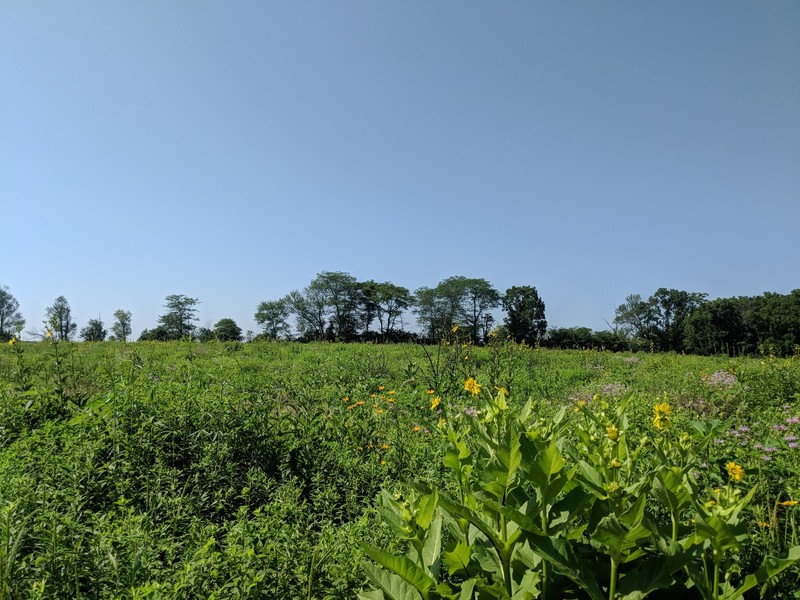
x: 335, y: 306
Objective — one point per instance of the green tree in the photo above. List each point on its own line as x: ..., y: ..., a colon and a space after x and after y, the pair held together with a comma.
x: 457, y: 300
x: 11, y: 321
x: 391, y: 301
x: 272, y: 316
x: 226, y: 330
x: 670, y: 308
x: 122, y: 325
x: 525, y: 320
x: 178, y: 321
x: 94, y: 331
x: 58, y: 319
x: 634, y: 317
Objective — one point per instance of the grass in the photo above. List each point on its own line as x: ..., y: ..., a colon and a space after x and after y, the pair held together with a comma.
x: 184, y: 470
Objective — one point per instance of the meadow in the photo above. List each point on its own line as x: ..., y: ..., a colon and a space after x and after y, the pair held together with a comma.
x: 322, y: 470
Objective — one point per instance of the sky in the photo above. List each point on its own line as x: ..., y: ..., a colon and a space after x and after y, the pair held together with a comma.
x: 231, y: 151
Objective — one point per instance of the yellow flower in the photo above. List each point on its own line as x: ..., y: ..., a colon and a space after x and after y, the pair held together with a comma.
x: 384, y: 446
x: 380, y: 388
x: 383, y: 462
x: 390, y: 392
x: 662, y: 412
x: 763, y: 524
x: 613, y: 433
x: 454, y: 328
x: 48, y: 334
x: 735, y: 472
x: 346, y: 399
x: 373, y: 395
x: 416, y: 428
x: 472, y: 386
x: 503, y: 391
x: 616, y: 463
x: 788, y: 503
x: 379, y: 410
x: 12, y: 341
x: 435, y: 402
x: 580, y: 405
x: 429, y: 392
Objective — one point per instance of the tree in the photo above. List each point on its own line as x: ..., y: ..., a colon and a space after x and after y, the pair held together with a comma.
x: 272, y: 316
x: 634, y: 317
x: 525, y: 320
x: 94, y: 331
x: 226, y: 330
x: 178, y: 321
x: 341, y: 294
x: 390, y: 302
x: 58, y: 319
x: 670, y: 308
x: 458, y: 301
x: 122, y: 325
x: 308, y: 307
x: 11, y: 321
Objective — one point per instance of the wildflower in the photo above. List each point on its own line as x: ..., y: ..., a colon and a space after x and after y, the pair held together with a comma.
x: 380, y: 388
x: 613, y: 433
x: 454, y: 329
x: 415, y: 428
x: 472, y: 386
x: 430, y: 392
x: 12, y: 341
x: 346, y: 399
x: 793, y: 420
x: 373, y: 395
x: 383, y: 462
x: 763, y: 524
x: 384, y: 446
x: 48, y: 334
x: 502, y: 391
x: 435, y: 402
x: 788, y: 503
x: 390, y: 392
x: 379, y: 410
x: 735, y: 472
x: 471, y: 411
x: 793, y: 445
x: 580, y: 405
x: 662, y: 412
x: 613, y: 487
x: 616, y: 463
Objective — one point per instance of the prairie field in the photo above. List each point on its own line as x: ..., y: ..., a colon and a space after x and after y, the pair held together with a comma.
x: 323, y: 470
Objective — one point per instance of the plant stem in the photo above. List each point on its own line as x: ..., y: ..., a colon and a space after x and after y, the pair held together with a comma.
x: 612, y: 586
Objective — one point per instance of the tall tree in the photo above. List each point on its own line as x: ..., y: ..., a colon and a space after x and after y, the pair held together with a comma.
x: 525, y: 318
x: 634, y: 317
x: 670, y: 308
x: 226, y: 330
x: 179, y: 319
x: 309, y: 310
x: 122, y: 325
x: 454, y: 301
x: 390, y: 302
x: 94, y: 331
x: 272, y: 316
x: 478, y: 300
x: 11, y: 321
x: 58, y: 319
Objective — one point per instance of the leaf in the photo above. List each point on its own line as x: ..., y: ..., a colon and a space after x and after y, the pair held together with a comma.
x: 655, y: 573
x: 402, y: 566
x: 457, y: 559
x: 426, y: 506
x: 432, y: 545
x: 392, y: 586
x: 768, y: 569
x: 591, y: 479
x: 669, y: 489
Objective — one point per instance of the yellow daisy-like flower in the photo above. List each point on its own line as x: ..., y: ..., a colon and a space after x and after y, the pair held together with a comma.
x: 735, y: 472
x: 416, y: 428
x: 430, y: 392
x: 788, y: 503
x: 384, y: 446
x: 472, y: 386
x: 12, y: 341
x: 435, y: 402
x: 579, y: 405
x: 380, y: 388
x: 48, y: 334
x: 612, y: 432
x: 662, y: 412
x: 454, y: 328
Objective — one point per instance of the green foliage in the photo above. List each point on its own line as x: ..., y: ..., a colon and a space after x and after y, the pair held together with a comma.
x: 525, y: 320
x: 11, y: 320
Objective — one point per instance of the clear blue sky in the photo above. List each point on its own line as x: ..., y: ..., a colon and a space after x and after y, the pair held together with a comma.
x: 230, y: 151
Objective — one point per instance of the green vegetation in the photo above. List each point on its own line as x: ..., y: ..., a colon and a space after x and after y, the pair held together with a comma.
x: 284, y: 470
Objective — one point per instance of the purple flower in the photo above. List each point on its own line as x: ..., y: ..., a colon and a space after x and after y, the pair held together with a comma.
x: 744, y: 429
x: 790, y: 438
x: 793, y: 420
x: 779, y: 427
x: 471, y: 411
x: 794, y: 445
x: 766, y: 458
x: 719, y: 441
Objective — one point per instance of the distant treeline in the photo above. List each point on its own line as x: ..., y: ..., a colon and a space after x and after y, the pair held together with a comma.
x: 335, y: 306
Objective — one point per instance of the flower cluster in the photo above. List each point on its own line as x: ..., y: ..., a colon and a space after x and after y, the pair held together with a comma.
x: 720, y: 379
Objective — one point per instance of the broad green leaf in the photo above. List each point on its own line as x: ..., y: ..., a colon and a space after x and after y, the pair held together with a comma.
x: 432, y: 546
x: 457, y: 559
x: 402, y: 566
x: 426, y: 506
x: 592, y: 479
x: 768, y: 569
x: 655, y: 573
x: 373, y: 595
x: 669, y: 489
x: 392, y: 585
